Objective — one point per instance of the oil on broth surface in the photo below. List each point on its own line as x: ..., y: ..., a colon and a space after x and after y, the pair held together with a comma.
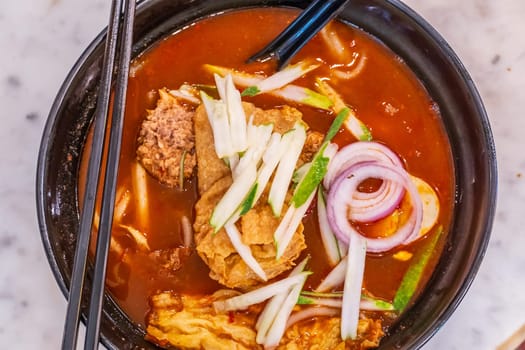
x: 386, y: 96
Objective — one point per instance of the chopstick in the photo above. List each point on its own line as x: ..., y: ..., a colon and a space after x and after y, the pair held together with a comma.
x: 299, y: 32
x: 123, y: 35
x: 515, y: 342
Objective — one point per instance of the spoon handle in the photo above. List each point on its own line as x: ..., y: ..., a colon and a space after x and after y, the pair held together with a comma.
x: 299, y: 32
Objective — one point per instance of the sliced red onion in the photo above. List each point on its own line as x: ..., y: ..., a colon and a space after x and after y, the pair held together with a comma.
x: 316, y: 311
x: 187, y: 232
x: 367, y: 207
x: 378, y: 207
x: 356, y: 152
x: 344, y: 187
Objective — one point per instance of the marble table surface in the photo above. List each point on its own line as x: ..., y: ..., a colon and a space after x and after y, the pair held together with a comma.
x: 40, y: 41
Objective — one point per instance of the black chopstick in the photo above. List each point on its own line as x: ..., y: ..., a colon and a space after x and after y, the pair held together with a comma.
x: 110, y: 181
x: 299, y: 32
x: 70, y: 335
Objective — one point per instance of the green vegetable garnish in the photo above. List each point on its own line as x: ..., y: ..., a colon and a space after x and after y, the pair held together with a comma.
x: 322, y: 294
x: 251, y: 91
x: 313, y: 177
x: 336, y: 124
x: 248, y: 202
x: 319, y: 166
x: 316, y: 99
x: 381, y: 304
x: 302, y: 300
x: 415, y: 271
x: 367, y: 134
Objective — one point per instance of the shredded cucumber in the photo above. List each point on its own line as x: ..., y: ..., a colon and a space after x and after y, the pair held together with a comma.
x: 415, y: 271
x: 281, y: 78
x: 259, y: 295
x: 244, y: 251
x: 289, y: 92
x: 286, y: 167
x: 234, y: 196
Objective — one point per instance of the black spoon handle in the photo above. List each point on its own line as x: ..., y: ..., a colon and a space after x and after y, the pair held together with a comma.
x: 299, y: 32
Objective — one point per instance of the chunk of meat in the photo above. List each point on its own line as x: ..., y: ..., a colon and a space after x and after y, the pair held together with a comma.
x: 190, y: 322
x: 165, y: 136
x: 323, y: 333
x: 257, y: 226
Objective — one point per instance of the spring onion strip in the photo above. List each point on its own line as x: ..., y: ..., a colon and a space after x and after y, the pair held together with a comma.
x: 315, y: 174
x: 341, y: 117
x: 248, y: 203
x: 289, y: 92
x: 335, y: 300
x: 233, y: 197
x: 331, y: 302
x: 415, y: 271
x: 284, y: 233
x: 352, y: 287
x: 256, y: 296
x: 244, y: 251
x: 281, y: 78
x: 352, y: 123
x: 267, y: 316
x: 278, y: 327
x: 372, y: 304
x: 286, y: 167
x: 319, y: 167
x: 330, y: 243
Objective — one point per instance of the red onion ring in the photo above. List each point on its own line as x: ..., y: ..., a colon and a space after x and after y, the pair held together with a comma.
x: 346, y: 184
x: 314, y: 311
x: 356, y: 152
x: 367, y: 207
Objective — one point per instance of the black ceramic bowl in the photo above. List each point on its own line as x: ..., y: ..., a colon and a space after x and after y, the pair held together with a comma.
x: 404, y: 32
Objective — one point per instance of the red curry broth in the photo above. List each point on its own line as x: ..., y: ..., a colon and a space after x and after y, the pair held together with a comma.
x: 414, y: 132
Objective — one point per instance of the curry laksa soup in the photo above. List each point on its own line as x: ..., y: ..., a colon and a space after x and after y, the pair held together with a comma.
x: 294, y: 209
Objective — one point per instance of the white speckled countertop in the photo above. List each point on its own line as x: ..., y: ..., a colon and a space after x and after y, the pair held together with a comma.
x: 40, y: 41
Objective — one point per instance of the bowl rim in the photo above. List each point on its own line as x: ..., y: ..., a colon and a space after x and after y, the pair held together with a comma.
x: 488, y: 140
